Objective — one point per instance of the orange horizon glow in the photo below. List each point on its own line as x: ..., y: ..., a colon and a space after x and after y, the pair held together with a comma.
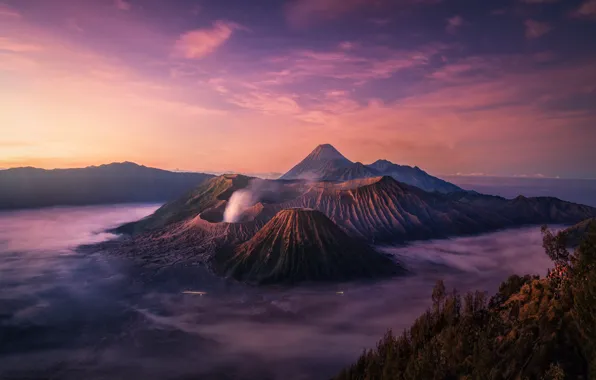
x: 200, y: 100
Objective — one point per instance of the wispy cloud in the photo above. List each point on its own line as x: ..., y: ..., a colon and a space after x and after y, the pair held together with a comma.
x: 454, y: 23
x: 17, y: 46
x: 300, y: 13
x: 303, y: 13
x: 199, y: 43
x: 123, y: 5
x: 536, y: 29
x: 218, y: 85
x: 8, y: 12
x: 586, y: 10
x: 357, y: 65
x: 539, y: 1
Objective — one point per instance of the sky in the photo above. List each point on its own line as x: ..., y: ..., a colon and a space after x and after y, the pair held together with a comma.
x: 500, y: 87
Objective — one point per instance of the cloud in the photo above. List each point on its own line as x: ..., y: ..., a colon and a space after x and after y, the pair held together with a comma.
x: 473, y: 174
x: 303, y: 13
x: 300, y: 13
x: 536, y: 175
x: 199, y: 43
x: 218, y: 85
x: 16, y: 46
x: 454, y: 23
x: 268, y: 103
x: 586, y: 10
x: 123, y: 5
x: 536, y: 29
x: 358, y: 65
x: 347, y: 45
x: 465, y: 108
x: 8, y: 12
x: 539, y: 1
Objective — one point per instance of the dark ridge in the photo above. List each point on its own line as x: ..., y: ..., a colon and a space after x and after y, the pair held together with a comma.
x: 124, y: 182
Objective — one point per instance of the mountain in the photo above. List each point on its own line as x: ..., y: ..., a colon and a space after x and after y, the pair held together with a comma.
x: 327, y: 164
x: 413, y: 176
x: 385, y: 210
x: 210, y: 197
x: 319, y: 163
x: 300, y: 245
x: 113, y: 183
x: 375, y: 210
x: 353, y: 171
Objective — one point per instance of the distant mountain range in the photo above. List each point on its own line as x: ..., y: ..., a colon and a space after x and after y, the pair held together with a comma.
x: 328, y: 164
x: 114, y: 183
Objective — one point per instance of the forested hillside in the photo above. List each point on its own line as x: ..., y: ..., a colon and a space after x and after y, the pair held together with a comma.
x: 533, y: 328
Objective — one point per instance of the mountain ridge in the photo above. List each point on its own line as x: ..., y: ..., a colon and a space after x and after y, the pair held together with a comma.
x: 123, y: 182
x: 328, y: 164
x: 374, y: 210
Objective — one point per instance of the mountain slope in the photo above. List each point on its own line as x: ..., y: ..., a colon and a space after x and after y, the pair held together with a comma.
x: 353, y: 171
x: 378, y: 209
x: 327, y: 164
x: 413, y: 176
x: 209, y: 197
x: 532, y: 328
x: 322, y: 161
x: 113, y: 183
x: 374, y: 210
x: 382, y: 209
x: 304, y: 245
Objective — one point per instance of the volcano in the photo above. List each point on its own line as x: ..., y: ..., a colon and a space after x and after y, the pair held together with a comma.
x: 326, y: 163
x: 321, y: 162
x: 306, y: 230
x: 303, y: 245
x: 354, y: 171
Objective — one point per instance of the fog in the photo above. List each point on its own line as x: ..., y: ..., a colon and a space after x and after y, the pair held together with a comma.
x: 69, y: 315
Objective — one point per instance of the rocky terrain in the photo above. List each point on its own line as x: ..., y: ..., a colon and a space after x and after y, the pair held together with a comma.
x: 251, y: 228
x: 373, y: 210
x: 300, y: 245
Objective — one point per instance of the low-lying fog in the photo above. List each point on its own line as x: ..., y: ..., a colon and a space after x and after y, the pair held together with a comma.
x: 66, y: 315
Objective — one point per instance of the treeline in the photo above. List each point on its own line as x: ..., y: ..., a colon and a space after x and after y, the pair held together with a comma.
x: 533, y: 328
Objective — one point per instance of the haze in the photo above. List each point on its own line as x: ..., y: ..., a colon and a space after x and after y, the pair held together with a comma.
x: 70, y: 316
x: 503, y: 87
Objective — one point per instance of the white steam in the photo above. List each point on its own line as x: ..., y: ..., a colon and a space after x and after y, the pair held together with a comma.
x: 239, y: 202
x: 242, y: 200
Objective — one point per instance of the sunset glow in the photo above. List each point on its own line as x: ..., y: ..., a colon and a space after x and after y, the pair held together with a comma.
x: 505, y: 89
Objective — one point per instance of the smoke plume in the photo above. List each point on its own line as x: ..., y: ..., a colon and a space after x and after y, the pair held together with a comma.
x: 241, y: 200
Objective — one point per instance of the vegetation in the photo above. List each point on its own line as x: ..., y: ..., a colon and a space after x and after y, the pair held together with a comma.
x: 533, y: 328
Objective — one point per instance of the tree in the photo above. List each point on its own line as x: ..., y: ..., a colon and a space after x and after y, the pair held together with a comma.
x: 555, y: 245
x: 533, y: 328
x: 438, y: 295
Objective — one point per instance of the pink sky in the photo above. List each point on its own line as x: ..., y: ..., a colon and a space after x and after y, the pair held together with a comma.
x: 189, y: 87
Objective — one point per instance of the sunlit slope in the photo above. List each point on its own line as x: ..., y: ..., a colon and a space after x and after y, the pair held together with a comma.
x: 304, y: 245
